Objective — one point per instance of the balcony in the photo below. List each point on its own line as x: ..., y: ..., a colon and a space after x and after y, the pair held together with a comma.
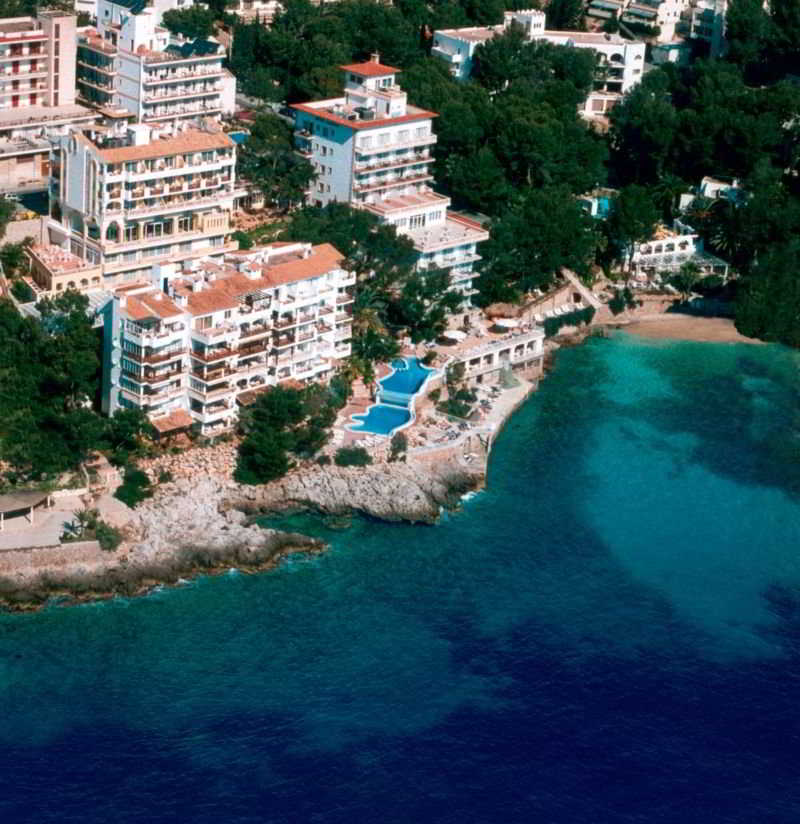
x: 428, y: 140
x: 391, y: 183
x: 155, y: 357
x: 210, y: 355
x: 387, y: 165
x: 216, y: 334
x: 343, y: 299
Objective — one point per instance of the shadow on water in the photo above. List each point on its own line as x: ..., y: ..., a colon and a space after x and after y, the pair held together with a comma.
x: 755, y: 392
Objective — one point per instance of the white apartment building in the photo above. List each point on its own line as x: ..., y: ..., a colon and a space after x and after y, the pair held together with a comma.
x: 147, y: 202
x: 620, y: 61
x: 130, y: 62
x: 37, y: 94
x: 373, y: 150
x: 249, y: 10
x: 193, y: 349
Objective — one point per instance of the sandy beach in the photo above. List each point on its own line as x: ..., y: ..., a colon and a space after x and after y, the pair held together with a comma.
x: 685, y: 327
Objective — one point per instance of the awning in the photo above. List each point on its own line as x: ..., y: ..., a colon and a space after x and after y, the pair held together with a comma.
x: 454, y: 334
x: 506, y: 323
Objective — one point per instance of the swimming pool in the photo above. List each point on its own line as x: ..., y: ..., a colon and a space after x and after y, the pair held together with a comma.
x: 239, y: 137
x: 394, y: 408
x: 381, y: 419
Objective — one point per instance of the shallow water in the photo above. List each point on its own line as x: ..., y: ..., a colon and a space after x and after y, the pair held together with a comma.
x: 609, y: 633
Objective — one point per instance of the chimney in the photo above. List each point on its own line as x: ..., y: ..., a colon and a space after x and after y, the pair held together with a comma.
x: 375, y: 57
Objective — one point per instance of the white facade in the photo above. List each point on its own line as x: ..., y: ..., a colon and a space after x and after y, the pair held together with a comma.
x: 621, y: 62
x: 130, y: 62
x: 371, y: 149
x: 156, y: 202
x: 249, y: 10
x: 668, y: 250
x: 194, y: 348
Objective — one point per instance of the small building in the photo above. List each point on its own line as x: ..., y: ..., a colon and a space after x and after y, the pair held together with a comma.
x: 668, y: 250
x: 519, y: 352
x: 599, y: 202
x: 620, y: 61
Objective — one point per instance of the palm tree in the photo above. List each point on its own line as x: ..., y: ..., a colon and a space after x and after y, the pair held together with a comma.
x: 666, y: 194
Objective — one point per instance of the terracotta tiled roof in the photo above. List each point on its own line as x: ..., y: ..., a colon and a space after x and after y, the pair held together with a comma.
x: 322, y: 259
x: 210, y: 299
x: 192, y: 141
x: 179, y: 419
x: 369, y: 69
x: 147, y: 305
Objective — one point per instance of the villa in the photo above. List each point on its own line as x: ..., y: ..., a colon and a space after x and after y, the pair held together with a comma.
x: 668, y: 250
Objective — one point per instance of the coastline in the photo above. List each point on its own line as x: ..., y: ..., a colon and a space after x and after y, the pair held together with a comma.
x: 670, y: 326
x: 202, y: 525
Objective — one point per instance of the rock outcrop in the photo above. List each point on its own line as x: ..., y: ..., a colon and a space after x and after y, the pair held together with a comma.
x: 391, y: 492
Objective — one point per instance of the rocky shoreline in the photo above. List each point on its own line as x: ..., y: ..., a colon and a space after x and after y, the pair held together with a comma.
x: 203, y: 527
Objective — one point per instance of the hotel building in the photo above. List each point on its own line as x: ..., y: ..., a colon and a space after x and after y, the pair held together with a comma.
x: 193, y: 349
x: 620, y: 61
x: 136, y: 204
x: 37, y: 94
x: 372, y: 149
x: 131, y: 62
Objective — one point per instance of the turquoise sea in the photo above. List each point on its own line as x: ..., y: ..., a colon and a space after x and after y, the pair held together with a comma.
x: 609, y: 633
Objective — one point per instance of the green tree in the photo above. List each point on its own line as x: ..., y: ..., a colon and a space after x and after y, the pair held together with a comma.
x: 632, y: 220
x: 564, y: 15
x: 531, y: 242
x: 268, y: 161
x: 768, y: 301
x: 193, y: 22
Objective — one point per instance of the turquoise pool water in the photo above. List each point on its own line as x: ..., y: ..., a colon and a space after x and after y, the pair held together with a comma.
x: 382, y: 419
x: 397, y: 390
x: 238, y: 137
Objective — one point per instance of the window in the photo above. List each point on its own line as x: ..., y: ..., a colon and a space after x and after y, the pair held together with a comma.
x: 416, y: 221
x: 185, y: 223
x: 404, y: 136
x: 228, y: 313
x: 421, y: 131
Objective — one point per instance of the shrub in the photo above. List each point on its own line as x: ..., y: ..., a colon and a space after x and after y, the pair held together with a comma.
x: 435, y: 395
x: 135, y: 488
x: 324, y: 460
x: 22, y: 292
x: 352, y: 456
x: 576, y: 318
x: 245, y: 241
x: 109, y: 537
x: 429, y: 357
x: 399, y: 446
x: 165, y: 476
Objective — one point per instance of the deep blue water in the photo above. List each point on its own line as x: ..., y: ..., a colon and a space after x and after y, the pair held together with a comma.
x: 609, y: 633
